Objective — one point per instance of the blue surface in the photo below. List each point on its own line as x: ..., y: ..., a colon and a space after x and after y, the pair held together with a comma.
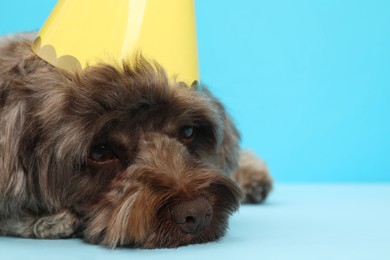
x: 298, y: 222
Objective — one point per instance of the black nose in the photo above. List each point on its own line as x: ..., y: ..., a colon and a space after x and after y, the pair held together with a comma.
x: 192, y: 216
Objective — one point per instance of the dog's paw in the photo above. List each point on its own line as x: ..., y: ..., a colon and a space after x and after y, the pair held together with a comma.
x: 59, y: 225
x: 253, y: 177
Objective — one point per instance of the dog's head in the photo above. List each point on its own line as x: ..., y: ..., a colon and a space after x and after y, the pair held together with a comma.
x: 142, y: 159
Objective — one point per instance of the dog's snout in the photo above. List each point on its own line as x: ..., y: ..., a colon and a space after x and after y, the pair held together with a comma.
x: 192, y: 216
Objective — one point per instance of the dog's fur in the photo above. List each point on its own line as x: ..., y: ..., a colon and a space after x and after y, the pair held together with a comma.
x: 55, y: 126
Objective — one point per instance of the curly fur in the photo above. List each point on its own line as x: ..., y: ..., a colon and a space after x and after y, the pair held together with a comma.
x: 50, y: 122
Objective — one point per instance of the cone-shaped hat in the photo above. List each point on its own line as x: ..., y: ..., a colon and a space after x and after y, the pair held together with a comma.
x: 82, y: 33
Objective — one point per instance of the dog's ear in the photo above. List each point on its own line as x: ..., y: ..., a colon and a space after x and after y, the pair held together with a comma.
x: 228, y: 149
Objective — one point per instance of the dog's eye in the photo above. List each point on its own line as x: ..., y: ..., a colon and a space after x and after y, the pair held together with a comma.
x: 101, y: 153
x: 187, y: 134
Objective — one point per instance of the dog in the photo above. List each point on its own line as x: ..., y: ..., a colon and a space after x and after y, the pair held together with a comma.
x: 120, y: 156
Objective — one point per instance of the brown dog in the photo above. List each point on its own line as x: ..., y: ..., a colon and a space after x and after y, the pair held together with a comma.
x: 119, y: 157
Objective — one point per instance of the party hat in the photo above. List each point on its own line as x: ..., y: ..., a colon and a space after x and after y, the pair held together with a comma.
x: 81, y: 33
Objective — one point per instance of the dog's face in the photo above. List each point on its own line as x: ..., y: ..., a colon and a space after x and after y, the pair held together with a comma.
x: 143, y: 160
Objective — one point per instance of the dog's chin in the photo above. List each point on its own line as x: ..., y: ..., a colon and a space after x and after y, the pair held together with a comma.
x: 170, y: 236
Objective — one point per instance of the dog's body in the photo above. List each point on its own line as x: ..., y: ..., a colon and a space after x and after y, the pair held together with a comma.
x: 117, y: 156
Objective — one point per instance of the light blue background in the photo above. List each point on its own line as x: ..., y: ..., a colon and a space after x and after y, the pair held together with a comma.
x: 308, y: 82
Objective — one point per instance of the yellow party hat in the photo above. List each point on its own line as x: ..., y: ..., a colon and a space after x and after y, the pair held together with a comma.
x: 80, y: 33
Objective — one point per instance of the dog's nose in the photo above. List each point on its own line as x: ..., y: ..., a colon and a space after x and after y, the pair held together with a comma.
x: 192, y: 216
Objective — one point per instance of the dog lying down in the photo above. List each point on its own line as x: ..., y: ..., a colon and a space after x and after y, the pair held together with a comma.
x: 116, y: 156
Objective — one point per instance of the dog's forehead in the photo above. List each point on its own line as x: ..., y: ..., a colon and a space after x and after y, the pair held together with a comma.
x: 139, y: 84
x: 140, y: 95
x: 150, y: 108
x: 173, y: 111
